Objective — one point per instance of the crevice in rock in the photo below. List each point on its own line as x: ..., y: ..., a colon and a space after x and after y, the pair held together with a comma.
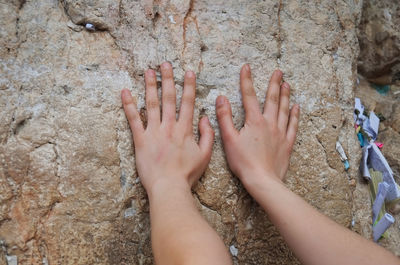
x: 186, y: 18
x: 279, y: 34
x: 325, y: 153
x: 17, y: 27
x: 99, y: 27
x: 204, y: 204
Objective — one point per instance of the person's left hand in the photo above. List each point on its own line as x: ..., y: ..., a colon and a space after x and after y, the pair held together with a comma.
x: 166, y: 150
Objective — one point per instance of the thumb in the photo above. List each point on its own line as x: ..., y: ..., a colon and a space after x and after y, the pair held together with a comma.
x: 224, y: 115
x: 206, y: 137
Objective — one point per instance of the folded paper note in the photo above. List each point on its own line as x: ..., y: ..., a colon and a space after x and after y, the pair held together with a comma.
x: 373, y: 158
x: 379, y: 200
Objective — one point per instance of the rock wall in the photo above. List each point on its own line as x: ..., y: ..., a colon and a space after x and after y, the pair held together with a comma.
x: 379, y: 35
x: 69, y: 192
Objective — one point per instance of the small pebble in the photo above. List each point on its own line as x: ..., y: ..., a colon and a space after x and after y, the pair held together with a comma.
x: 353, y: 222
x: 90, y: 27
x: 171, y: 19
x: 234, y: 251
x: 129, y: 212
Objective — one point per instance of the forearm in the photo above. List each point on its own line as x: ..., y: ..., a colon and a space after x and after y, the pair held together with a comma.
x: 179, y: 233
x: 313, y: 237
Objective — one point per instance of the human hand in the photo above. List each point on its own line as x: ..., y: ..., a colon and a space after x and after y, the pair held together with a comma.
x: 166, y: 150
x: 262, y: 148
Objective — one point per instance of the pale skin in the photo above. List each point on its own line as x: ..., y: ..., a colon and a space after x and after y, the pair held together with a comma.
x: 169, y: 161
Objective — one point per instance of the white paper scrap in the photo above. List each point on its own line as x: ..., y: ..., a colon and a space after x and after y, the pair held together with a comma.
x: 234, y: 251
x: 341, y: 152
x: 12, y: 260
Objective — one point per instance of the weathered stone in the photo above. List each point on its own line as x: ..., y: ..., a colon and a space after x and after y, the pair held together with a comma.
x: 379, y: 38
x: 69, y: 191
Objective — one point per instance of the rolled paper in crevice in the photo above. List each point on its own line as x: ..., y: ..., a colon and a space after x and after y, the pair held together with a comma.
x: 383, y: 224
x: 342, y: 155
x: 373, y: 158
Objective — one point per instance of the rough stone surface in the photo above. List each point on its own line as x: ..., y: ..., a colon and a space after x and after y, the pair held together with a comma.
x: 379, y: 35
x: 69, y: 191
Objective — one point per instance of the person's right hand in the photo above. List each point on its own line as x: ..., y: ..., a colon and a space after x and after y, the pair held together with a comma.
x: 262, y: 148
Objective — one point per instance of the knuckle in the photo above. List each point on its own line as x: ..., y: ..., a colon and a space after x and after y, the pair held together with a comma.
x: 221, y: 111
x: 187, y: 100
x: 258, y: 120
x: 169, y: 98
x: 248, y: 91
x: 228, y: 137
x: 273, y: 98
x: 151, y: 83
x: 167, y: 75
x: 152, y: 104
x: 284, y: 111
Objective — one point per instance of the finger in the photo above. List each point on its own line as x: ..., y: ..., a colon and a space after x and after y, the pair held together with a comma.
x: 152, y: 104
x: 168, y: 94
x: 272, y: 98
x: 131, y: 112
x: 224, y: 115
x: 250, y: 102
x: 206, y: 137
x: 293, y: 125
x: 283, y: 115
x: 187, y: 103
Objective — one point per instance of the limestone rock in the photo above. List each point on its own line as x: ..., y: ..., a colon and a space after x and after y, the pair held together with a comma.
x: 379, y: 37
x: 67, y: 166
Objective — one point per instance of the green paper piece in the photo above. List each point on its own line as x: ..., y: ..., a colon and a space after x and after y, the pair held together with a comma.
x: 382, y: 89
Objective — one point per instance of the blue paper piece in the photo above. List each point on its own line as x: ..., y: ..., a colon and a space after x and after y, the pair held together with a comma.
x: 382, y: 89
x: 361, y: 139
x: 346, y: 164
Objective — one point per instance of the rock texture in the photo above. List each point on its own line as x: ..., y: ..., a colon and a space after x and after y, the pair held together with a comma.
x: 379, y: 35
x: 69, y: 192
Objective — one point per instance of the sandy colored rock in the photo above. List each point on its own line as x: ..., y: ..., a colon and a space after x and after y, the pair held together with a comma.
x: 69, y: 191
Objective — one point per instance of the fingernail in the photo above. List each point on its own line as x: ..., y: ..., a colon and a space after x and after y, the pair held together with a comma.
x: 190, y: 74
x: 165, y: 65
x: 278, y: 73
x: 125, y: 91
x: 285, y: 85
x: 220, y: 101
x: 247, y: 67
x: 150, y: 72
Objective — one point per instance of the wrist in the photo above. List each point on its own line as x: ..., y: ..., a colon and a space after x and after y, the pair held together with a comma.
x: 167, y: 185
x: 258, y: 179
